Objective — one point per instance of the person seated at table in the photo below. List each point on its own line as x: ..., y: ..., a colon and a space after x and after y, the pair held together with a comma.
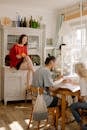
x: 43, y: 78
x: 19, y: 58
x: 82, y: 104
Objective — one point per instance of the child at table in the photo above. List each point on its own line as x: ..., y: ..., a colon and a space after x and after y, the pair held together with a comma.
x: 81, y: 70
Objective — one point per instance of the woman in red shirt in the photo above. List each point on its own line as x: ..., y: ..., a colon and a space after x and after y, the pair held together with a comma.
x: 19, y: 58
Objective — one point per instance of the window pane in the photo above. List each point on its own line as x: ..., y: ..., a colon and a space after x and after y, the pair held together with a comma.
x: 81, y: 37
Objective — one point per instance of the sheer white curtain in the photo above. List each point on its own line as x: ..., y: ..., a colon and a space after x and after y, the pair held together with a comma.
x: 75, y: 38
x: 76, y: 42
x: 60, y: 19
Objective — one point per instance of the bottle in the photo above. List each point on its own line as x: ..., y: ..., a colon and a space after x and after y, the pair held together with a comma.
x: 37, y: 24
x: 21, y: 23
x: 18, y: 19
x: 34, y: 24
x: 25, y: 22
x: 30, y: 22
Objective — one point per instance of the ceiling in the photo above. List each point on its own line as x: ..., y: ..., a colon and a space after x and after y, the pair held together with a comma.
x: 44, y: 4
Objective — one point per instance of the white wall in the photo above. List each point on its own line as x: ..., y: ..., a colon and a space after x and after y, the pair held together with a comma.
x: 49, y: 17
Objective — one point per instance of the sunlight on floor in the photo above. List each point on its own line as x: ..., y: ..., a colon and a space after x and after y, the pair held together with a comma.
x: 15, y: 126
x: 20, y: 107
x: 35, y: 124
x: 2, y: 128
x: 27, y: 122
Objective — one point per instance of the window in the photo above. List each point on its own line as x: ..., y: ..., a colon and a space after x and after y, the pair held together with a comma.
x: 77, y: 48
x: 80, y: 37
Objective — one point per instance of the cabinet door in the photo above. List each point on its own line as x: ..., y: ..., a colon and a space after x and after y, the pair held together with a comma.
x: 23, y: 84
x: 12, y: 88
x: 11, y: 40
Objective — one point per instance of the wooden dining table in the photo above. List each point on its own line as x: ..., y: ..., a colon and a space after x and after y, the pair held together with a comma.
x: 64, y: 93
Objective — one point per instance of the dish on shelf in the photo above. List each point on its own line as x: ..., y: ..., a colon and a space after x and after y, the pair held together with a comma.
x: 6, y: 21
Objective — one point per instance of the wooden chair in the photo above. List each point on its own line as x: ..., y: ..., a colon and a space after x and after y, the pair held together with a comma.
x: 28, y: 92
x: 83, y: 114
x: 54, y: 111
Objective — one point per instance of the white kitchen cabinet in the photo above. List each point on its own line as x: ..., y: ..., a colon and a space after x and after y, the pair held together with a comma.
x: 13, y: 83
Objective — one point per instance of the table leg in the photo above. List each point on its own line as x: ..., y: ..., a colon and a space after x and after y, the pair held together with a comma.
x: 57, y: 115
x: 63, y: 111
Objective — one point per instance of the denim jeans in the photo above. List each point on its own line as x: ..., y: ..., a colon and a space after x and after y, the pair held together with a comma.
x: 84, y: 127
x: 75, y: 107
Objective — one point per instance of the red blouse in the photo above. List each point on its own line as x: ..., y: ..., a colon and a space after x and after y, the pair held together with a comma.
x: 16, y: 50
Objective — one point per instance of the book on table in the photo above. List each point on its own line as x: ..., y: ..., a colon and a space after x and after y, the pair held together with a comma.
x: 71, y: 87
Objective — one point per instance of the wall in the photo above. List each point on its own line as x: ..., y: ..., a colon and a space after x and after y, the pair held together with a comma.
x: 49, y: 17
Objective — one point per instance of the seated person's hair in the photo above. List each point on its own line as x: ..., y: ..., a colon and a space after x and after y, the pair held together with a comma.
x: 49, y: 58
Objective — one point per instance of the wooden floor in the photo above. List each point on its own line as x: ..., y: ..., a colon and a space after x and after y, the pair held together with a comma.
x: 15, y: 116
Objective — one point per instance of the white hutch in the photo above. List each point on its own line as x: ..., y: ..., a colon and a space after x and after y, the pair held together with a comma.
x: 13, y: 82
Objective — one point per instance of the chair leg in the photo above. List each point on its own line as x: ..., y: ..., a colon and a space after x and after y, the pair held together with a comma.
x: 46, y: 122
x: 25, y: 96
x: 38, y: 126
x: 54, y: 117
x: 57, y: 118
x: 30, y: 120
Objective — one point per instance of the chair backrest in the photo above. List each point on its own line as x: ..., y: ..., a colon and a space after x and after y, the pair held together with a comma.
x: 37, y: 90
x: 34, y: 93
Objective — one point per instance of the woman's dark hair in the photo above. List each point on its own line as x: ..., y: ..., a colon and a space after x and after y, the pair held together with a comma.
x: 49, y: 58
x: 21, y: 37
